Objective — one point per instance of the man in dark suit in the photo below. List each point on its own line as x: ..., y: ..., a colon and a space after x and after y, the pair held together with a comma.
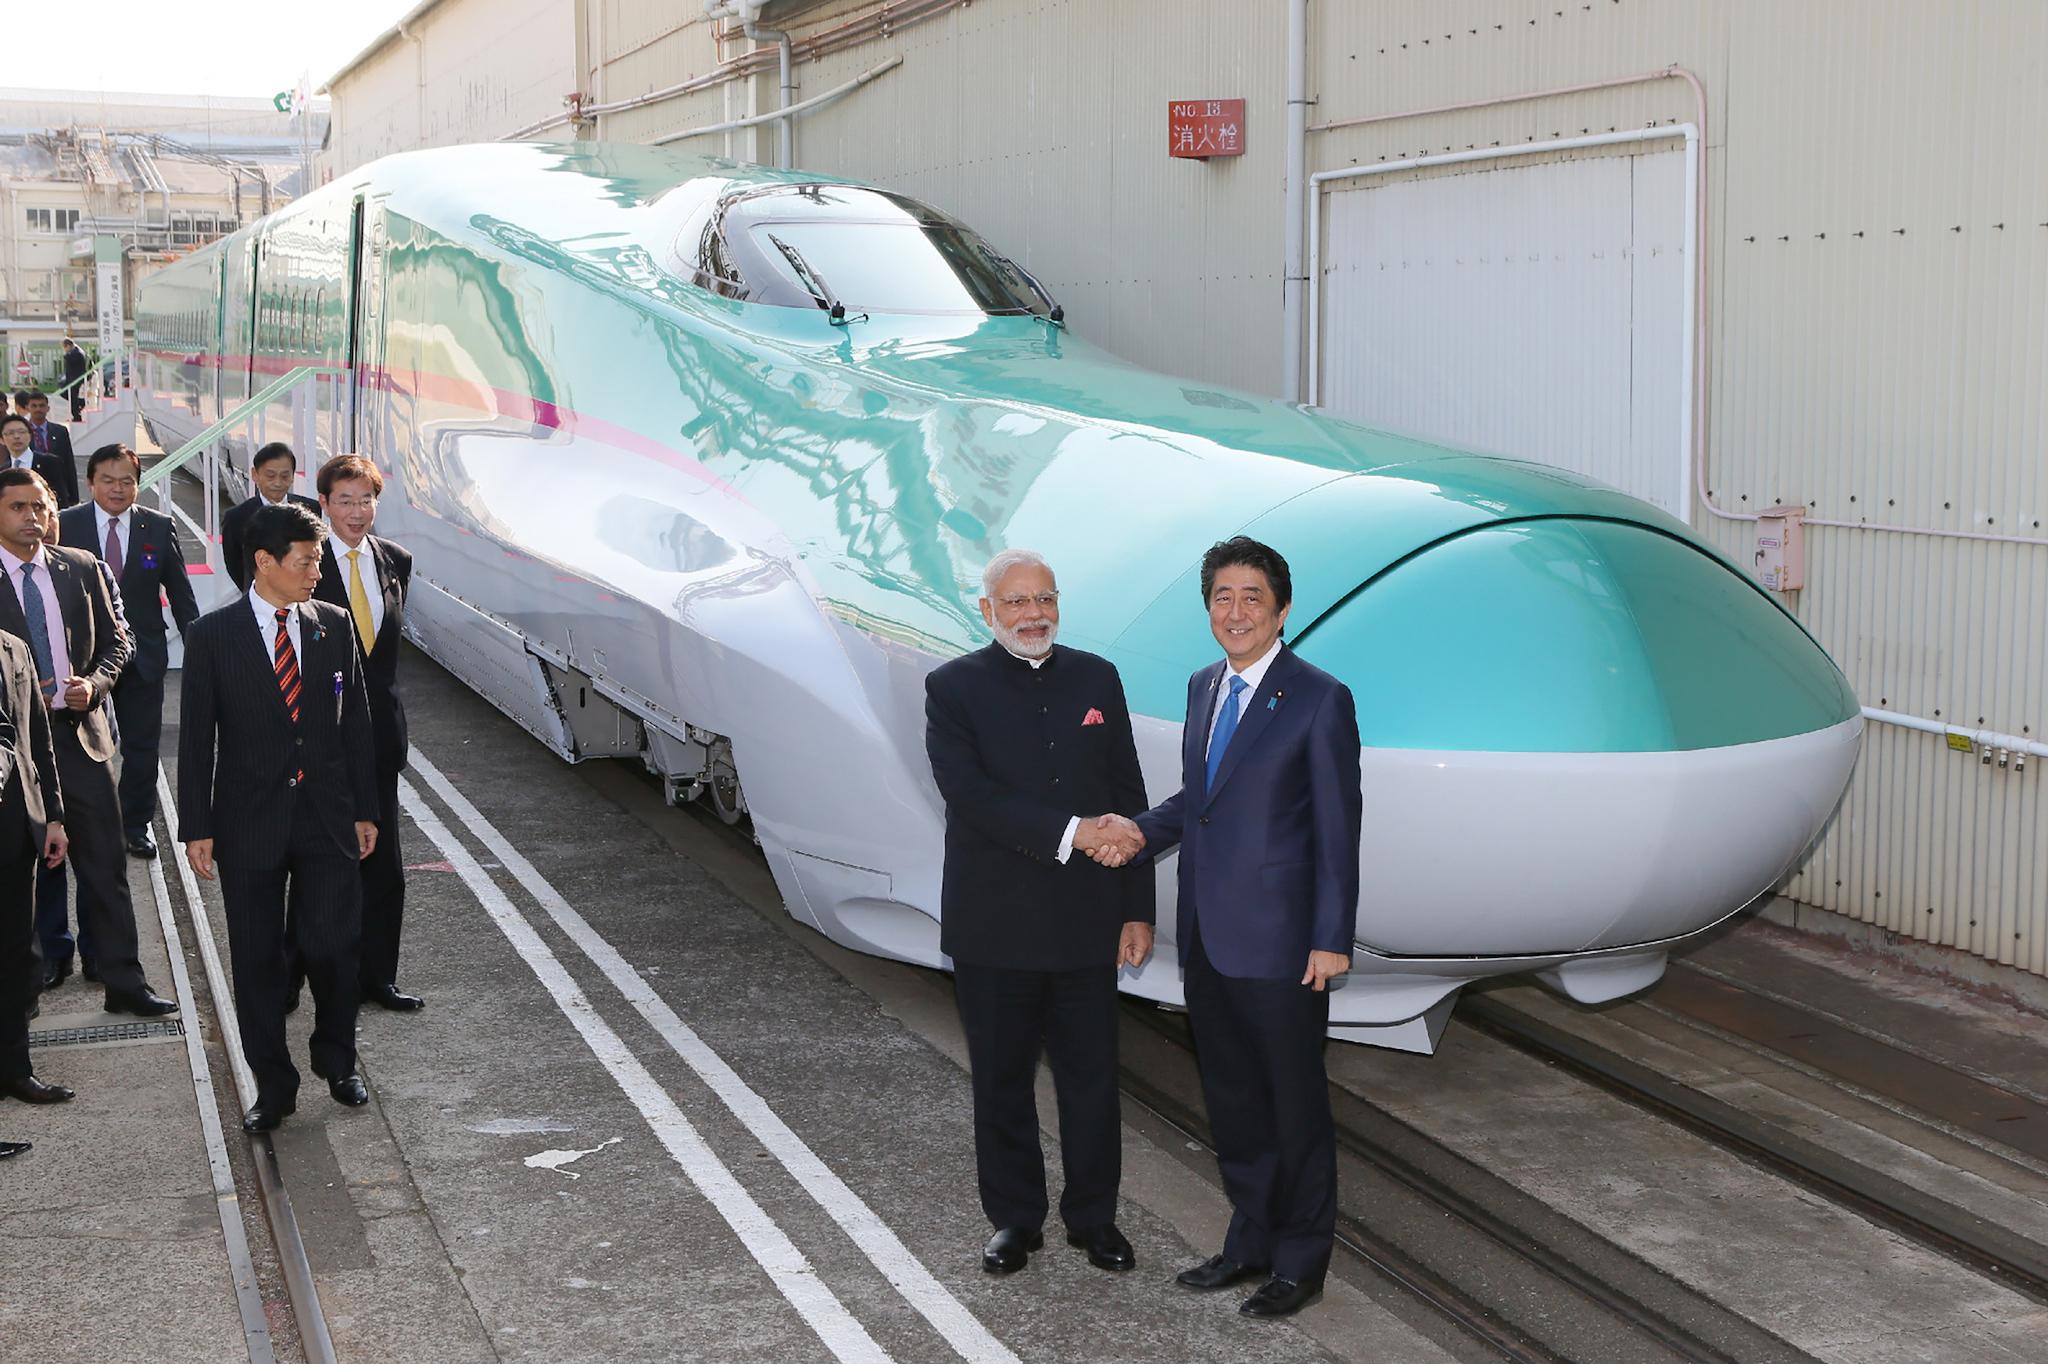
x: 75, y: 366
x: 368, y: 577
x: 31, y: 833
x: 1030, y: 744
x: 140, y: 548
x: 1267, y: 820
x: 277, y: 784
x: 18, y: 450
x: 60, y: 604
x: 48, y: 438
x: 271, y: 473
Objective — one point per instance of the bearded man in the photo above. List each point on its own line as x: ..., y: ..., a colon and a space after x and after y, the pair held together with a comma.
x: 1031, y: 747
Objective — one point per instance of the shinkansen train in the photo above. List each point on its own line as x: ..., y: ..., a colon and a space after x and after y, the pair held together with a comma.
x: 700, y: 463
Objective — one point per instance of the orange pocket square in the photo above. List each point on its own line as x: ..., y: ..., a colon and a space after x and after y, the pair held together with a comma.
x: 1093, y: 717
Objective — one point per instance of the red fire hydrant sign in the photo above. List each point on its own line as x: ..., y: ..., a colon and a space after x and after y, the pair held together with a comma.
x: 1202, y: 128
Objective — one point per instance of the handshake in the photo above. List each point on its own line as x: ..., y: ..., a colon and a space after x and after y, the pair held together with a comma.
x: 1112, y: 840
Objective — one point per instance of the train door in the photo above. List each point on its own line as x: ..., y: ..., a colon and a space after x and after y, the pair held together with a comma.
x: 369, y: 434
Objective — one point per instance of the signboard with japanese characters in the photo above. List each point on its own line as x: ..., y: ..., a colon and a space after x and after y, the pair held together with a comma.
x: 1202, y: 128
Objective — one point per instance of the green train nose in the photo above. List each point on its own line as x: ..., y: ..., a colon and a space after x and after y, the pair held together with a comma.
x: 1573, y: 635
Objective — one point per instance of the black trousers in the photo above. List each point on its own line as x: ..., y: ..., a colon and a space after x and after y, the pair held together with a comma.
x: 20, y: 972
x: 139, y: 710
x: 383, y: 892
x: 98, y: 862
x: 1259, y: 1044
x: 1010, y: 1017
x: 320, y: 890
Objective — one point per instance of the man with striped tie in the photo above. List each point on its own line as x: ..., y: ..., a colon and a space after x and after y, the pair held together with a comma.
x: 277, y: 789
x: 369, y: 576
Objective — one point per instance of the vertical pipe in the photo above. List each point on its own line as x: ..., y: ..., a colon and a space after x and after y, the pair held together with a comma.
x: 1689, y: 357
x: 780, y: 38
x: 1293, y: 280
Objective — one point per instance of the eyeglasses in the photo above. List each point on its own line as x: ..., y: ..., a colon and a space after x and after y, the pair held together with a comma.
x: 1046, y: 601
x: 352, y: 503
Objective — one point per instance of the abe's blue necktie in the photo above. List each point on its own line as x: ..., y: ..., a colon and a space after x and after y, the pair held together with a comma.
x: 1226, y: 725
x: 38, y: 632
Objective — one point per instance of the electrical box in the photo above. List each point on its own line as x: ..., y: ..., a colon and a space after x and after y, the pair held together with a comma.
x: 1781, y: 548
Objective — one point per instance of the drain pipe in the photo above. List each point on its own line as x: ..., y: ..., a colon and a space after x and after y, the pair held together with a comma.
x: 748, y: 12
x: 1294, y: 281
x: 781, y: 40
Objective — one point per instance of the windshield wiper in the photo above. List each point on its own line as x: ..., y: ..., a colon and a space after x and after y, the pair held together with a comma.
x: 814, y: 283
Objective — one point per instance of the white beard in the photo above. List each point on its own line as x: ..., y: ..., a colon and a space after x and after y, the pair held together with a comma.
x: 1010, y: 640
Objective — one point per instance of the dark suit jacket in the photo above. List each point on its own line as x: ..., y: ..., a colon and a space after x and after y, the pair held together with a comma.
x: 232, y: 524
x: 151, y: 564
x: 1015, y: 762
x: 1269, y: 855
x: 239, y: 750
x: 60, y: 469
x: 93, y: 636
x: 30, y: 795
x: 393, y: 565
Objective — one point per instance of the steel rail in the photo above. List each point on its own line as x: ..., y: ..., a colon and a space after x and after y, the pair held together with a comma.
x: 1477, y: 1319
x: 1991, y: 1250
x: 311, y: 1319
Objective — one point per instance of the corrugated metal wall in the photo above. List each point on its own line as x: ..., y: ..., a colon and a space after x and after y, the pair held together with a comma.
x: 471, y: 71
x: 1877, y: 252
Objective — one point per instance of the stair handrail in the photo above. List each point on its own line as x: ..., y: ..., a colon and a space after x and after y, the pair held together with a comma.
x: 269, y: 393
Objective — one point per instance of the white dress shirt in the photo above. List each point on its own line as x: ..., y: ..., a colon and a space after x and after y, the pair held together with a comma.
x: 366, y: 562
x: 266, y: 620
x: 53, y: 616
x: 1252, y: 675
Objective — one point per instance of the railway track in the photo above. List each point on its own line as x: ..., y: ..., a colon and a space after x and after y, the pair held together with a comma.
x: 1992, y: 1250
x: 1511, y: 1279
x: 220, y: 1114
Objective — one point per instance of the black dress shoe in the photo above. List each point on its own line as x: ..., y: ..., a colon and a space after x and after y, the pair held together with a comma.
x: 349, y: 1090
x: 142, y: 844
x: 268, y: 1114
x: 1106, y: 1246
x: 13, y: 1148
x: 144, y: 1003
x: 1217, y: 1272
x: 30, y: 1090
x: 56, y: 974
x: 1281, y: 1298
x: 1009, y: 1250
x: 87, y: 971
x: 392, y: 998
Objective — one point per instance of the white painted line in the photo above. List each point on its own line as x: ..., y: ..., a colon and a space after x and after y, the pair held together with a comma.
x: 792, y: 1274
x: 904, y: 1271
x: 209, y: 952
x: 227, y: 1202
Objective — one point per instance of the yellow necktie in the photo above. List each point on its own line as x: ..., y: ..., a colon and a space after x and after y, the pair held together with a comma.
x: 359, y: 603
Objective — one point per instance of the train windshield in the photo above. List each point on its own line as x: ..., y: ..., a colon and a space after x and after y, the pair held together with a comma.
x: 816, y: 246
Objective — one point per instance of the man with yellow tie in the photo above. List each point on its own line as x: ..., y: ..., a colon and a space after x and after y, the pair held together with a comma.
x: 368, y: 576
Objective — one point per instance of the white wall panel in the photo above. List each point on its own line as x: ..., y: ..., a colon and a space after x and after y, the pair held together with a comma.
x: 1528, y: 309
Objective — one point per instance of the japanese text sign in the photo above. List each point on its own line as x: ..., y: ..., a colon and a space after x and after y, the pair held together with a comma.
x: 1202, y: 128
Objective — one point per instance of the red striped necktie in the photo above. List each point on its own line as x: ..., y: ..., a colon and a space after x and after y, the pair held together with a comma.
x: 285, y: 662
